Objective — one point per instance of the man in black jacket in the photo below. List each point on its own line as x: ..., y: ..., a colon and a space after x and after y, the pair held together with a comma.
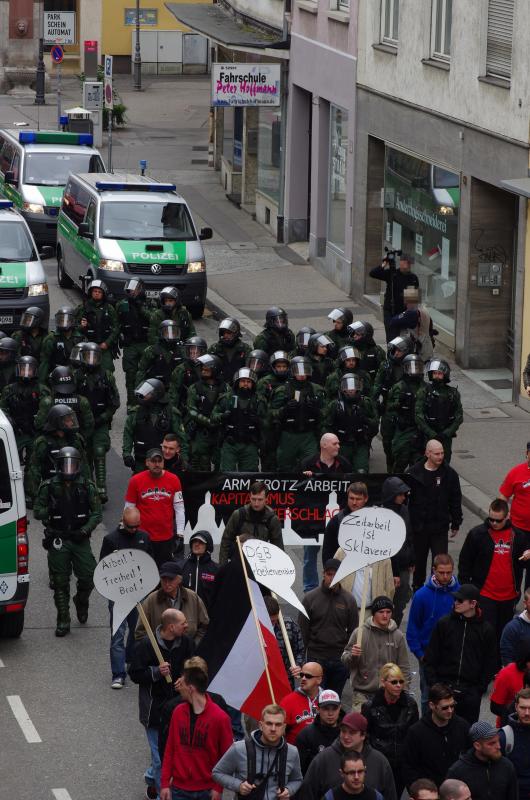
x: 199, y: 569
x: 461, y: 652
x: 356, y: 498
x: 127, y: 535
x: 484, y: 769
x: 435, y: 506
x: 397, y: 279
x: 491, y: 559
x: 436, y: 741
x: 323, y: 731
x: 394, y: 496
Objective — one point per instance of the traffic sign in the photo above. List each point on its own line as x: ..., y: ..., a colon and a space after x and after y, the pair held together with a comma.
x: 57, y: 53
x: 109, y: 101
x: 59, y: 27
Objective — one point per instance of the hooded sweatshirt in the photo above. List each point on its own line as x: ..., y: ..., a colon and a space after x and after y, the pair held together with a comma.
x: 487, y: 780
x: 429, y: 604
x: 378, y: 647
x: 301, y: 710
x: 515, y: 635
x: 198, y: 572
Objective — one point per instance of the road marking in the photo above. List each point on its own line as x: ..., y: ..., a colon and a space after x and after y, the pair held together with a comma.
x: 22, y: 717
x: 61, y: 794
x: 1, y: 664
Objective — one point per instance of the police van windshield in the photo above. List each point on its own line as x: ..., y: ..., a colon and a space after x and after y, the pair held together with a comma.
x: 6, y: 498
x: 146, y: 220
x: 53, y: 169
x: 15, y: 243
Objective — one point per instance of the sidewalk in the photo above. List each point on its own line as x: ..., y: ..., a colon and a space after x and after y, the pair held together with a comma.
x: 248, y: 271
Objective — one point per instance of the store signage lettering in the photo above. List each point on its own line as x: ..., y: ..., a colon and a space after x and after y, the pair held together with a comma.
x: 421, y: 214
x: 245, y: 84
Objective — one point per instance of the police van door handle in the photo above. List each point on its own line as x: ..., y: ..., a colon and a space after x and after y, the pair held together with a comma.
x: 15, y: 475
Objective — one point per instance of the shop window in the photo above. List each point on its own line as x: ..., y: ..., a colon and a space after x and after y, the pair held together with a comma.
x: 390, y: 22
x: 442, y: 13
x: 499, y: 42
x: 422, y: 205
x: 269, y: 147
x: 338, y: 159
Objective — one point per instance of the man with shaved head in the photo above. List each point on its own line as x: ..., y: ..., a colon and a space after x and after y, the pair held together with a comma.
x: 452, y: 789
x: 435, y: 506
x: 301, y: 705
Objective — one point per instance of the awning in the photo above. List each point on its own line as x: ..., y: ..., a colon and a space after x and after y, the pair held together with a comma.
x: 219, y: 25
x: 517, y: 185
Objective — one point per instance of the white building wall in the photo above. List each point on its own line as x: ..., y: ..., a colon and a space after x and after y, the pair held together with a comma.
x: 270, y: 12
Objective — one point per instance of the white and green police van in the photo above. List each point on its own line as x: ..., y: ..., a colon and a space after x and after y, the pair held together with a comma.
x: 34, y: 168
x: 22, y: 279
x: 14, y: 552
x: 116, y: 227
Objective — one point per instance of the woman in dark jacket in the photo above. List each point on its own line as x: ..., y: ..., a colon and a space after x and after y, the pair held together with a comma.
x: 390, y: 713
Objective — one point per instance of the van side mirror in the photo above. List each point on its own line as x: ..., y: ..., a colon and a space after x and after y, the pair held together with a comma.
x: 46, y: 251
x: 9, y: 177
x: 206, y: 233
x: 84, y: 231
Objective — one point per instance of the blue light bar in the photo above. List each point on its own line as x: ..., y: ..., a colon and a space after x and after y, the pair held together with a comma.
x: 63, y: 120
x: 55, y: 137
x: 108, y: 186
x: 26, y: 137
x: 161, y: 187
x: 6, y: 204
x: 86, y: 138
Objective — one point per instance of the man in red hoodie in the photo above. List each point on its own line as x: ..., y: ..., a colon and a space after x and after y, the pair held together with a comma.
x: 199, y: 734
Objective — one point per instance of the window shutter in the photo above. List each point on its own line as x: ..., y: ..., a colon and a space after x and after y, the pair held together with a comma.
x: 500, y: 32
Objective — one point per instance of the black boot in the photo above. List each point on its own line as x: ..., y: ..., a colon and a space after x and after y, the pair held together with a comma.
x: 100, y: 472
x: 62, y: 603
x: 81, y: 606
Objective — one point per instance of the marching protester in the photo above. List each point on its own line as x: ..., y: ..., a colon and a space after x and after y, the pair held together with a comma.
x: 323, y: 731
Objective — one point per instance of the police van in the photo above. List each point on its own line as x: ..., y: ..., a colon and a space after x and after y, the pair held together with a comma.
x: 22, y: 279
x: 34, y: 168
x: 14, y: 551
x: 116, y: 227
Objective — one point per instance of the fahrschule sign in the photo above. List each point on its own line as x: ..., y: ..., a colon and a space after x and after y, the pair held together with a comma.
x: 245, y: 84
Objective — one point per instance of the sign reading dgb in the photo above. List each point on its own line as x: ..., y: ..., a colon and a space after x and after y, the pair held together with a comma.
x: 59, y: 27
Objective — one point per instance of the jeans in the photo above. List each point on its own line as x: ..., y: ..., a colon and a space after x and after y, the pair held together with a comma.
x: 235, y: 721
x: 182, y: 794
x: 310, y: 574
x: 152, y: 738
x: 121, y: 653
x: 335, y: 675
x: 498, y: 613
x: 434, y: 541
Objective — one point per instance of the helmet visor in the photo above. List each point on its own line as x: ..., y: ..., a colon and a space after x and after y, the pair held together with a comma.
x: 351, y: 384
x: 26, y: 371
x: 280, y: 322
x: 92, y: 358
x: 69, y: 466
x: 437, y: 366
x: 69, y: 422
x: 414, y: 367
x: 170, y: 333
x: 301, y: 368
x: 144, y: 392
x: 28, y: 320
x: 336, y: 315
x: 64, y: 320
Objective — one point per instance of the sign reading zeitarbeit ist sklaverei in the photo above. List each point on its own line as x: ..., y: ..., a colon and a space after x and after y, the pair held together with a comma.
x: 245, y: 84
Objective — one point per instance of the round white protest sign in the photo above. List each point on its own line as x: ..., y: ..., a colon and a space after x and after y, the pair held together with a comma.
x: 369, y: 535
x: 273, y: 568
x: 125, y: 577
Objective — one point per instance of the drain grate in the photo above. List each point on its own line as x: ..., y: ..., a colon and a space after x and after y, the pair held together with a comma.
x: 499, y: 383
x: 199, y: 160
x: 200, y: 148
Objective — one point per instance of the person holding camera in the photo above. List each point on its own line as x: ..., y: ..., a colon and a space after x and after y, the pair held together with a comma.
x: 397, y: 279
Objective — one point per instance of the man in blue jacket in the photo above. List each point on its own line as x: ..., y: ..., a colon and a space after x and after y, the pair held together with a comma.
x: 433, y: 601
x: 514, y: 739
x: 515, y: 631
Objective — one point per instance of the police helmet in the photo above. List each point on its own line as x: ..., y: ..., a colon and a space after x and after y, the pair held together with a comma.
x: 437, y: 365
x: 90, y: 355
x: 61, y: 418
x: 75, y: 354
x: 98, y: 284
x: 62, y: 380
x: 8, y: 350
x: 26, y: 368
x: 319, y: 340
x: 341, y: 314
x: 68, y: 462
x: 348, y: 351
x: 211, y: 362
x: 229, y: 330
x: 134, y: 287
x: 300, y: 365
x: 149, y: 391
x: 170, y: 293
x: 413, y: 365
x: 65, y: 318
x: 245, y: 372
x: 276, y: 318
x: 302, y: 337
x: 350, y: 385
x: 33, y: 317
x: 361, y: 331
x: 194, y: 347
x: 257, y: 360
x: 278, y: 359
x: 400, y: 344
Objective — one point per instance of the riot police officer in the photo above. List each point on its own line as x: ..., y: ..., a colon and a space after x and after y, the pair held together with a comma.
x: 295, y: 409
x: 439, y: 411
x: 98, y: 322
x: 276, y: 335
x: 258, y: 361
x: 171, y: 308
x: 20, y: 401
x: 353, y: 419
x: 8, y: 354
x: 279, y: 373
x: 63, y: 391
x: 408, y: 441
x: 319, y: 351
x: 302, y: 341
x: 69, y: 507
x: 99, y: 388
x: 372, y: 355
x: 32, y: 332
x: 202, y: 429
x: 185, y: 374
x: 341, y: 318
x: 147, y: 424
x: 133, y: 321
x: 57, y: 345
x: 349, y: 360
x: 230, y: 350
x: 388, y: 374
x: 236, y: 412
x: 161, y: 359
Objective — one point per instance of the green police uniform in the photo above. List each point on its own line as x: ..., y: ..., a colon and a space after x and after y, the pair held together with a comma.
x: 102, y: 328
x: 55, y: 352
x: 99, y: 389
x: 272, y: 339
x: 239, y: 425
x: 339, y: 338
x: 7, y: 374
x: 407, y: 442
x: 269, y: 433
x: 182, y: 377
x: 20, y: 401
x: 133, y: 321
x: 231, y: 358
x: 323, y: 367
x: 355, y: 424
x: 334, y: 378
x: 372, y: 357
x: 202, y: 429
x: 42, y: 463
x: 69, y: 510
x: 297, y: 421
x: 158, y: 361
x: 77, y: 403
x: 388, y: 374
x: 179, y: 314
x: 145, y: 428
x: 29, y: 345
x: 439, y: 414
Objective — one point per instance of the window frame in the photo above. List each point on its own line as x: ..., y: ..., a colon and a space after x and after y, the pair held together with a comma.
x: 444, y: 53
x: 384, y: 39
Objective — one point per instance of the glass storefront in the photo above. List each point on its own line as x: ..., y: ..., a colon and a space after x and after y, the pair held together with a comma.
x: 269, y: 145
x: 338, y: 145
x: 232, y: 136
x: 422, y: 204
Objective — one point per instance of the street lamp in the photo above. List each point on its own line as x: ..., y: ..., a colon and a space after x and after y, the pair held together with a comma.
x: 40, y: 76
x: 137, y: 69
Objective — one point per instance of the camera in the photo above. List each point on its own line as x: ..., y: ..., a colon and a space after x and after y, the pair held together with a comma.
x: 390, y: 257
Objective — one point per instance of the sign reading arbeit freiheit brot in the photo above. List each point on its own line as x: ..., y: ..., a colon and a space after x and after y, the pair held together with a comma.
x: 245, y: 84
x: 59, y: 27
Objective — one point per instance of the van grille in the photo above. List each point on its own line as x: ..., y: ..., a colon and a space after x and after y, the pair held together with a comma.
x: 167, y: 269
x: 7, y: 293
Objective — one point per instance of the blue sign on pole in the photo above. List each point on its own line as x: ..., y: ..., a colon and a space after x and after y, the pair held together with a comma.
x: 57, y: 53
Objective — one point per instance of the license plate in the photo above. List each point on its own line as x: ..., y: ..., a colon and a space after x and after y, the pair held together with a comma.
x: 152, y: 294
x: 6, y: 320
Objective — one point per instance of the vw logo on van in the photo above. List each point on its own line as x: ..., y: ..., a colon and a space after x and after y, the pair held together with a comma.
x: 156, y: 269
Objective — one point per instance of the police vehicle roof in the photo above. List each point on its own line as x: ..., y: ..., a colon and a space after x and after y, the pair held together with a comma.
x: 48, y: 147
x: 129, y: 187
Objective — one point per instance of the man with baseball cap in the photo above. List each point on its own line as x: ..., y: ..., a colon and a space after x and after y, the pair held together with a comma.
x: 483, y: 768
x: 324, y: 770
x: 462, y: 652
x: 173, y: 595
x: 323, y: 731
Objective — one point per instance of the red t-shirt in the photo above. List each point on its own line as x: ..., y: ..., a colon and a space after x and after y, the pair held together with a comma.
x: 517, y: 486
x: 154, y: 498
x: 507, y: 683
x: 500, y: 583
